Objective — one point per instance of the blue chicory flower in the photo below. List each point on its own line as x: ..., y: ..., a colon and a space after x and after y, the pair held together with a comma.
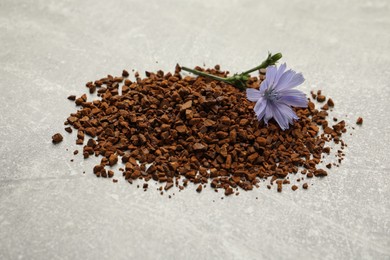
x: 277, y: 95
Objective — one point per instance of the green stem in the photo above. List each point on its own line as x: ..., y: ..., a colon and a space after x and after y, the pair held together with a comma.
x: 239, y: 80
x: 271, y: 60
x: 204, y: 74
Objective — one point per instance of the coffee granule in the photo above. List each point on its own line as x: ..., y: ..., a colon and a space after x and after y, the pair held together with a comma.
x: 57, y: 138
x: 228, y: 191
x: 68, y: 129
x: 72, y: 97
x: 176, y: 129
x: 359, y: 121
x: 320, y: 173
x: 330, y: 103
x: 321, y: 98
x: 125, y: 73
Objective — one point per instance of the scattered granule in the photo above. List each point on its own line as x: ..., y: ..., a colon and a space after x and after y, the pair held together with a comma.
x: 279, y: 184
x: 294, y: 187
x: 125, y: 73
x: 325, y: 107
x: 176, y: 129
x: 359, y: 121
x: 305, y: 186
x: 57, y: 138
x: 229, y: 191
x: 320, y: 173
x: 330, y: 103
x: 72, y: 97
x: 68, y: 129
x: 321, y: 98
x: 168, y: 186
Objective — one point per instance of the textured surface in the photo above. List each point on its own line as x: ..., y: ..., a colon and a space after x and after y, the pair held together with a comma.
x: 49, y: 209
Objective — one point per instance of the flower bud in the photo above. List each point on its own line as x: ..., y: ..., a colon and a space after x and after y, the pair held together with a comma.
x: 276, y: 57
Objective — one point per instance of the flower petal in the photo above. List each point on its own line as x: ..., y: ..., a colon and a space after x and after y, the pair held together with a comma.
x: 287, y: 112
x: 294, y: 101
x: 281, y: 118
x: 282, y: 113
x: 280, y: 72
x: 269, y: 111
x: 293, y: 97
x: 296, y: 80
x: 284, y: 81
x: 263, y: 86
x: 260, y: 108
x: 291, y: 92
x: 253, y: 94
x: 270, y: 75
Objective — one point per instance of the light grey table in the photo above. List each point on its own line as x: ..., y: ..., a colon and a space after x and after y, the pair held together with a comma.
x: 49, y: 209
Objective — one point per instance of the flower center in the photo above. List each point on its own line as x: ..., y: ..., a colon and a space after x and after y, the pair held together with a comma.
x: 271, y: 94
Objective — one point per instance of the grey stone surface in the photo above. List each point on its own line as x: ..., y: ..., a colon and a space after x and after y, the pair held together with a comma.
x: 49, y: 209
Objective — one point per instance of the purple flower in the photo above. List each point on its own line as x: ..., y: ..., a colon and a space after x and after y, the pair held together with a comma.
x: 277, y: 95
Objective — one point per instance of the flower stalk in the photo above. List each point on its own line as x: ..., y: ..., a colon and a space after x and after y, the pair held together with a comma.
x: 239, y: 80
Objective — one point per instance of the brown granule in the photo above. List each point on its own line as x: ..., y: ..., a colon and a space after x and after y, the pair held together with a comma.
x: 320, y: 173
x: 321, y: 98
x: 359, y: 121
x: 228, y: 191
x: 125, y: 73
x: 330, y: 102
x: 193, y: 129
x: 325, y: 107
x: 68, y: 129
x: 279, y: 184
x: 168, y: 186
x: 113, y: 159
x: 72, y: 97
x: 57, y: 138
